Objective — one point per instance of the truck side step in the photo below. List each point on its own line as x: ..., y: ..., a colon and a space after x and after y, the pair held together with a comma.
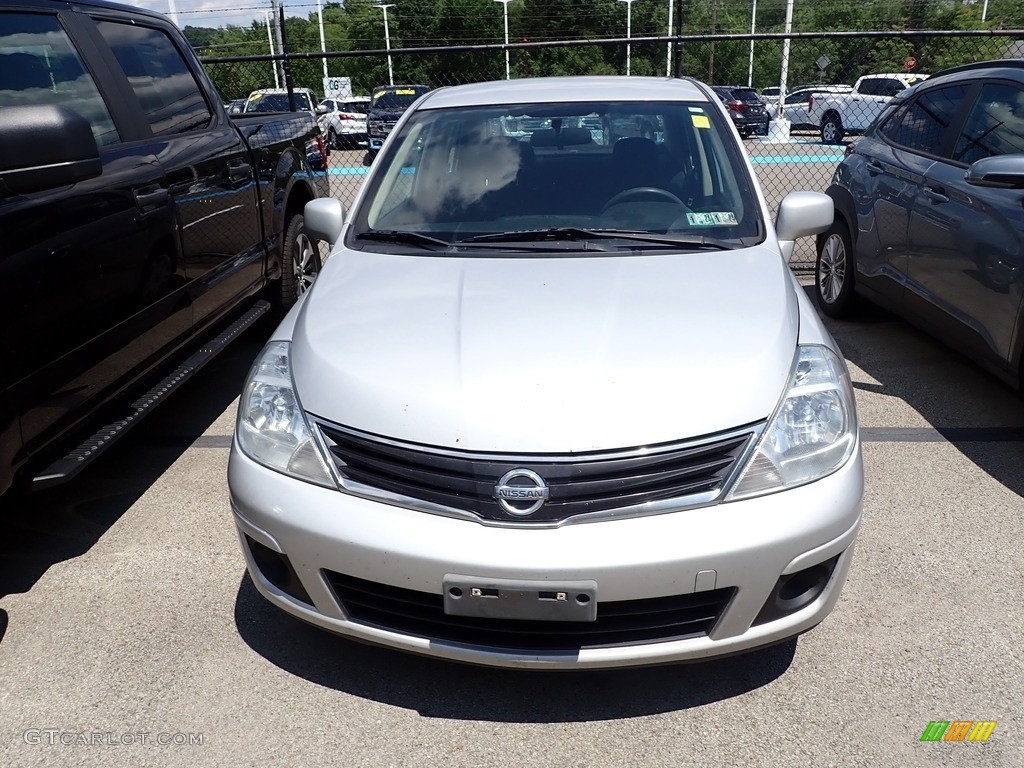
x: 69, y: 466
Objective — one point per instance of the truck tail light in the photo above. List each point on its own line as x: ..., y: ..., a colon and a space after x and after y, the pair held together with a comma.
x: 323, y: 149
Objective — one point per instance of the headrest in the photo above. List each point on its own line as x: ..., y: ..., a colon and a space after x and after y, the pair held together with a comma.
x: 635, y: 150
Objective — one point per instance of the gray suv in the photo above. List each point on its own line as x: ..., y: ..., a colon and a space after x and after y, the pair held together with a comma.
x: 929, y: 221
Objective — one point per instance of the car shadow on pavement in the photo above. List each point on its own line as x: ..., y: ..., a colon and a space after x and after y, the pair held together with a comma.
x: 38, y: 530
x: 443, y: 689
x: 964, y: 404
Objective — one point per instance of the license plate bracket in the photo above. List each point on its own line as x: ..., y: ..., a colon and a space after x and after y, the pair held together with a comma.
x: 518, y: 599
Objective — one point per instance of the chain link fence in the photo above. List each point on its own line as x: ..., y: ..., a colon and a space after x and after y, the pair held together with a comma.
x: 820, y: 66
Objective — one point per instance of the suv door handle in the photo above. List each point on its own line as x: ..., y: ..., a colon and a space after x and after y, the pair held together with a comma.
x: 151, y: 197
x: 935, y: 195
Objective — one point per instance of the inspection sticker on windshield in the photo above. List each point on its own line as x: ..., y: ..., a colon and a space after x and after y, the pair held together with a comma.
x: 700, y: 121
x: 711, y: 219
x: 405, y: 92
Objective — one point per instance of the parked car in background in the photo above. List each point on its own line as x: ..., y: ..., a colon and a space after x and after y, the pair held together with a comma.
x: 387, y: 104
x: 236, y: 106
x: 746, y: 109
x: 798, y: 101
x: 554, y: 403
x: 143, y: 227
x: 840, y: 114
x: 929, y: 221
x: 344, y: 122
x: 770, y: 95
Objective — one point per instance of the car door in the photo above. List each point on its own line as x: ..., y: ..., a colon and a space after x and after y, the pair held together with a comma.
x: 211, y: 181
x: 91, y: 289
x: 967, y: 260
x: 884, y: 181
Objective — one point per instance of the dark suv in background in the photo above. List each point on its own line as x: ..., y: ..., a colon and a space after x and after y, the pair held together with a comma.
x: 387, y: 104
x: 745, y: 108
x: 929, y: 217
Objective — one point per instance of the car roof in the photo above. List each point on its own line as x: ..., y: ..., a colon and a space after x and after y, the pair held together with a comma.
x: 561, y: 89
x: 1011, y: 68
x: 268, y: 91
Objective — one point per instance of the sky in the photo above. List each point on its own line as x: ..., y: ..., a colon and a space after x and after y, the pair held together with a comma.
x: 220, y: 13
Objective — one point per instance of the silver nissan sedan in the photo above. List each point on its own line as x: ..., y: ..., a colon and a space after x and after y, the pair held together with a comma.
x: 555, y: 399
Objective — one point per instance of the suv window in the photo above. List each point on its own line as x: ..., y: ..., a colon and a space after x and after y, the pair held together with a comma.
x: 881, y: 86
x: 995, y: 125
x: 39, y: 65
x: 161, y: 79
x: 922, y: 124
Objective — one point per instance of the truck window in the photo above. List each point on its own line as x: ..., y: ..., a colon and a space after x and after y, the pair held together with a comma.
x: 39, y: 65
x: 160, y: 77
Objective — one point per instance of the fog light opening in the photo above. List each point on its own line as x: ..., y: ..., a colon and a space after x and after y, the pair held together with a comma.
x: 277, y: 569
x: 796, y: 591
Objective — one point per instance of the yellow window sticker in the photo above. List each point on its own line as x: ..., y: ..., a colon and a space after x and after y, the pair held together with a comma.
x: 405, y: 92
x: 378, y: 94
x: 711, y: 219
x: 700, y: 121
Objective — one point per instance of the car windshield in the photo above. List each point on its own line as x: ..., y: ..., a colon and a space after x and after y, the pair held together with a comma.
x: 608, y: 175
x: 397, y: 98
x: 278, y: 102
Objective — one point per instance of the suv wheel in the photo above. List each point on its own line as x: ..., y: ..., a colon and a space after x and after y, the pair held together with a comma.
x: 833, y: 273
x: 301, y: 261
x: 832, y: 129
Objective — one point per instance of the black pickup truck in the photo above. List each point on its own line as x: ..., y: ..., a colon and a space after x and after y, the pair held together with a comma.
x: 141, y: 227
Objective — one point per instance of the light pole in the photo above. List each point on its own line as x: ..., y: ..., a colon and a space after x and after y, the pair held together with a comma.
x: 629, y: 29
x: 323, y: 43
x: 387, y: 39
x: 270, y: 41
x: 750, y: 69
x: 668, y: 56
x: 505, y: 14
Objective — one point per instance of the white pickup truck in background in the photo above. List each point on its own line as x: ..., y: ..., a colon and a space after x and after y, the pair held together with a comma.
x: 838, y: 114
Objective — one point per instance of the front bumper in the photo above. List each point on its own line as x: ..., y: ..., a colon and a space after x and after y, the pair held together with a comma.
x: 743, y: 549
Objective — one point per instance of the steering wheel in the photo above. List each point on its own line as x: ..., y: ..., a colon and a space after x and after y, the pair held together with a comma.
x: 628, y: 194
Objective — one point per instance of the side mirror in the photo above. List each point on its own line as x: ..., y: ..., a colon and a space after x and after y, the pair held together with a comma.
x: 324, y: 219
x: 321, y: 109
x: 43, y: 147
x: 999, y: 171
x: 802, y: 214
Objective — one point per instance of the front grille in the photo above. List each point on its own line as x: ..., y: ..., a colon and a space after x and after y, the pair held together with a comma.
x: 641, y: 480
x: 619, y: 623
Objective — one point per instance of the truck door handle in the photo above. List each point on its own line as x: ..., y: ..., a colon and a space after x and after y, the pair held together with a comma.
x: 239, y: 172
x: 936, y: 195
x: 875, y: 167
x: 151, y: 197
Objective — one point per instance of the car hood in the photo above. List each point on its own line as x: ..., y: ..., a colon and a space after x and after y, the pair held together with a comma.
x: 546, y: 354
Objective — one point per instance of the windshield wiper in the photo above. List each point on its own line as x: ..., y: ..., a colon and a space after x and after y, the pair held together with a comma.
x: 401, y: 236
x: 577, y: 234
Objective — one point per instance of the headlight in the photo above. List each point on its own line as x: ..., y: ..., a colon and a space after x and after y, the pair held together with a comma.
x: 812, y: 433
x: 271, y: 427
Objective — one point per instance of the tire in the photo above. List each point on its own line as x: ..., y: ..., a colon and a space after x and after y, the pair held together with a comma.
x: 832, y: 129
x: 332, y: 139
x: 300, y: 263
x: 834, y: 271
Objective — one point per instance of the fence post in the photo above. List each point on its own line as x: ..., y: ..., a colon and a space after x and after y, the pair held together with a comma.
x: 286, y: 64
